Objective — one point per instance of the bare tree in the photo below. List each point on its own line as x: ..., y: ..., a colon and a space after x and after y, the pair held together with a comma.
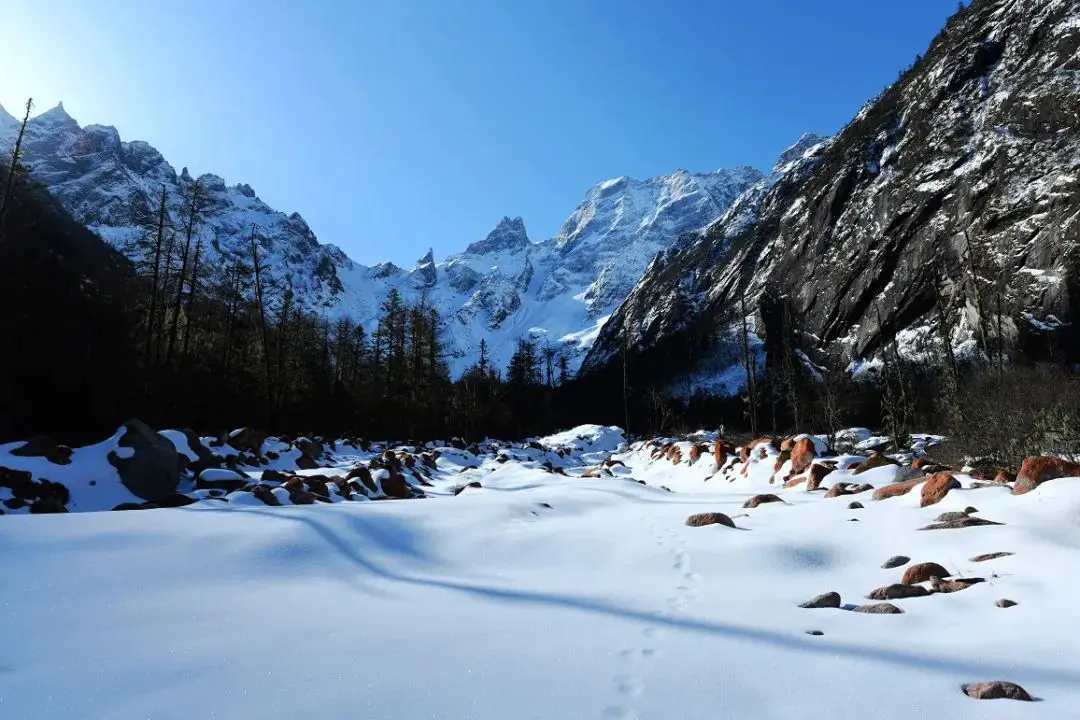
x: 14, y: 169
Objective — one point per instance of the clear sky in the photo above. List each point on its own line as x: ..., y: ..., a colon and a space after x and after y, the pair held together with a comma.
x: 395, y: 125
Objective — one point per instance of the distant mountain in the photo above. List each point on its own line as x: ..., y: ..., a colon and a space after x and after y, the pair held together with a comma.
x: 957, y: 189
x: 558, y: 290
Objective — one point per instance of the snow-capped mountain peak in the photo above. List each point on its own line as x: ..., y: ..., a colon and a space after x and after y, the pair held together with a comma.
x: 500, y: 288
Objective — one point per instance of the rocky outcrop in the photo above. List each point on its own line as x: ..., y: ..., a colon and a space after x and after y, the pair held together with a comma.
x: 973, y: 152
x: 1037, y: 470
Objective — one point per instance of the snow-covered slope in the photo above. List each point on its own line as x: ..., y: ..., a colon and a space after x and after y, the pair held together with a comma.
x: 558, y: 290
x: 542, y: 596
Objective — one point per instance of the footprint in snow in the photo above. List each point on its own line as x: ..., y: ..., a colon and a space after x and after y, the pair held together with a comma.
x: 629, y: 685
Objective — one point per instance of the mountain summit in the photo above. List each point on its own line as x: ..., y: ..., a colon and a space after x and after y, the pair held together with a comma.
x: 502, y: 287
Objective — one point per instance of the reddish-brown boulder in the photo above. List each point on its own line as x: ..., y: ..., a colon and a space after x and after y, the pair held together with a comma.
x: 761, y: 500
x: 897, y: 489
x: 721, y: 450
x: 394, y: 486
x: 923, y: 572
x: 816, y: 474
x: 1004, y: 477
x: 951, y: 586
x: 1037, y: 470
x: 795, y: 481
x: 898, y: 591
x: 875, y: 460
x: 991, y: 556
x: 802, y: 454
x: 937, y: 487
x: 712, y: 518
x: 838, y: 490
x: 997, y: 690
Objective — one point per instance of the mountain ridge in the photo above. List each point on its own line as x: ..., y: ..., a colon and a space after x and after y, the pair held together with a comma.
x: 556, y: 290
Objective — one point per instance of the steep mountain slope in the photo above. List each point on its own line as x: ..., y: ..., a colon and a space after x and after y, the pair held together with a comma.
x: 960, y: 179
x: 501, y: 288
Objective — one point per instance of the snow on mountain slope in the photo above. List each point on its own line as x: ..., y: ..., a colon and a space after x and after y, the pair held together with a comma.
x: 540, y: 596
x: 499, y: 289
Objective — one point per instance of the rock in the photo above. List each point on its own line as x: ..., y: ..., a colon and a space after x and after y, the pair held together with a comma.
x: 896, y: 561
x: 950, y: 517
x: 991, y: 556
x: 969, y: 509
x: 795, y: 481
x: 951, y: 586
x: 247, y: 439
x: 215, y: 479
x: 923, y: 572
x: 1004, y: 477
x: 968, y: 521
x: 305, y: 462
x: 825, y: 600
x: 897, y: 489
x: 461, y: 488
x: 712, y: 518
x: 880, y: 609
x: 898, y: 591
x: 761, y: 500
x: 782, y: 458
x: 816, y: 474
x: 721, y: 450
x: 46, y: 447
x: 839, y: 489
x: 46, y: 506
x: 153, y: 470
x: 1006, y: 603
x: 263, y: 492
x: 175, y: 500
x: 394, y: 486
x: 301, y: 497
x: 997, y: 690
x: 130, y: 506
x: 875, y: 460
x: 802, y: 455
x: 278, y: 477
x: 937, y: 487
x: 856, y: 489
x: 855, y: 506
x: 1037, y: 470
x: 814, y: 632
x: 909, y: 473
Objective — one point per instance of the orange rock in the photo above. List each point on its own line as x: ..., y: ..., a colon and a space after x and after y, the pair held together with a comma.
x: 762, y: 441
x: 1037, y: 470
x: 744, y: 453
x: 796, y: 480
x: 720, y: 452
x: 919, y: 463
x: 802, y: 454
x: 937, y: 487
x: 897, y: 489
x: 816, y: 474
x: 1004, y: 476
x: 787, y: 444
x: 923, y: 572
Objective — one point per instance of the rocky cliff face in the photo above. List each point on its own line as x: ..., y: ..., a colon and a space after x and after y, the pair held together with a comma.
x: 503, y: 287
x: 958, y: 186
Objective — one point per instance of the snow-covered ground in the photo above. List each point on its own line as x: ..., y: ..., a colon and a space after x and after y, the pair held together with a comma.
x: 539, y: 595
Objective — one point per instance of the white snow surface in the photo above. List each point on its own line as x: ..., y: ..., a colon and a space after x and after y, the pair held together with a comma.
x: 539, y: 596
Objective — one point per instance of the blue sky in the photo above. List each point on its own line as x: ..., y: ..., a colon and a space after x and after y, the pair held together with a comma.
x: 395, y: 125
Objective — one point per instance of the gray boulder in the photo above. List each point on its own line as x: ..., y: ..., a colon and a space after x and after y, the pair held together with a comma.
x: 152, y: 470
